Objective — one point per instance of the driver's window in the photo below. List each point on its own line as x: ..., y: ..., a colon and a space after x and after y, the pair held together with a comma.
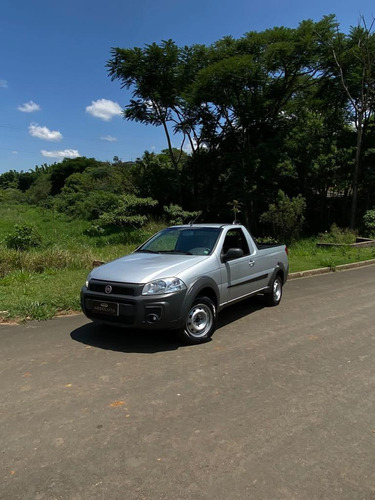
x: 235, y: 239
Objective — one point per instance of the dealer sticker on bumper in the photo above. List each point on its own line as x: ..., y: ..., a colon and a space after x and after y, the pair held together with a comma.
x: 110, y: 308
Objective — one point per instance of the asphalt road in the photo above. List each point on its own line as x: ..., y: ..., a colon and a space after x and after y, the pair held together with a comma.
x: 279, y: 405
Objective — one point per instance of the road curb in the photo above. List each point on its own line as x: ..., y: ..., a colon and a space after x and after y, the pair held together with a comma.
x: 326, y: 270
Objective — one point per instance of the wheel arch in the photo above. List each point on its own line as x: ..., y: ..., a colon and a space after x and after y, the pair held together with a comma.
x: 208, y: 292
x: 203, y: 287
x: 278, y: 271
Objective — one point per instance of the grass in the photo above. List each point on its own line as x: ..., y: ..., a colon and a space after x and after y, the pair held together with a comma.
x: 28, y: 295
x: 305, y: 255
x: 41, y: 283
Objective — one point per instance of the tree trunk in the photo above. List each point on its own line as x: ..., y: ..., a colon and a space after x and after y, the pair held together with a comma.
x: 356, y: 171
x: 174, y: 163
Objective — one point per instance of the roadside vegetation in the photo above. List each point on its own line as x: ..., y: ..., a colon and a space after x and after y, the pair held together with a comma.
x: 42, y: 278
x: 305, y: 255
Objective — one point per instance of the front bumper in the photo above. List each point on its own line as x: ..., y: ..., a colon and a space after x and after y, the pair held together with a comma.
x: 138, y: 311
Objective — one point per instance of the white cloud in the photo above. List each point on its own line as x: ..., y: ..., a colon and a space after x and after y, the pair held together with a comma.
x: 29, y: 107
x: 44, y: 133
x: 67, y: 153
x: 3, y: 84
x: 104, y: 109
x: 109, y: 138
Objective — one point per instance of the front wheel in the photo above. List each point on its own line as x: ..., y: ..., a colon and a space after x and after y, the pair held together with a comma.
x: 200, y: 322
x: 273, y: 297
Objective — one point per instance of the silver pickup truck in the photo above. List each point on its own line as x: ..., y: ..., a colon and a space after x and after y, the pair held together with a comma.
x: 182, y: 277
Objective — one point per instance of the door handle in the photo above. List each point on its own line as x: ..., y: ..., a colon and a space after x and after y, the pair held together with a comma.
x: 251, y: 263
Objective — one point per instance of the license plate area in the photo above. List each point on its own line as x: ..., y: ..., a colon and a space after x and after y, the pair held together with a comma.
x: 107, y: 308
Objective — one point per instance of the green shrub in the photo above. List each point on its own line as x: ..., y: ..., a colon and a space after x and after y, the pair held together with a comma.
x: 11, y: 195
x: 342, y: 236
x: 328, y: 262
x: 130, y: 211
x: 369, y: 222
x: 23, y: 237
x: 94, y: 230
x: 176, y: 215
x: 286, y: 216
x: 87, y: 206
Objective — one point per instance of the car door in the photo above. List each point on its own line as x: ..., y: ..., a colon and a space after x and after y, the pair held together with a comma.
x: 237, y: 273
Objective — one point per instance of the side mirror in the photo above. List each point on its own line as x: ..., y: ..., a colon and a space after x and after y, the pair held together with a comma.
x: 233, y: 253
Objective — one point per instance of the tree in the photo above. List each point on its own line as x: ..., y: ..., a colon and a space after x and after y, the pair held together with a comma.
x: 10, y: 179
x: 40, y: 190
x: 158, y: 75
x: 61, y: 171
x: 354, y: 57
x: 248, y: 87
x: 317, y: 153
x: 154, y: 176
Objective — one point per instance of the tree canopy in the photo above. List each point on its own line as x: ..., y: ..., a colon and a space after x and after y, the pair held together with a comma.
x: 285, y: 107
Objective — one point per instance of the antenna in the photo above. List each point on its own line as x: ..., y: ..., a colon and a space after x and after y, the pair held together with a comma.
x: 196, y: 218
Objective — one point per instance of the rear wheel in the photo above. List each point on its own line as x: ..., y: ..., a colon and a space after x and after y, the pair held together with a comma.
x: 200, y: 322
x: 273, y: 297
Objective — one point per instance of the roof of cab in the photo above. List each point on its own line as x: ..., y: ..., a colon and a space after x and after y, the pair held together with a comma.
x: 210, y: 224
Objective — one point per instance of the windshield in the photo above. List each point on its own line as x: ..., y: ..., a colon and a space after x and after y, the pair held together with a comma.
x: 189, y: 241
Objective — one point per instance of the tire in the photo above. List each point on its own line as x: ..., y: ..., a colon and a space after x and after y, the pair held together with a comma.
x: 273, y: 297
x: 200, y: 322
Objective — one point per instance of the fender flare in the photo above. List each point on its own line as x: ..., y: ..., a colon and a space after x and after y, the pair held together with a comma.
x: 201, y: 283
x: 279, y: 269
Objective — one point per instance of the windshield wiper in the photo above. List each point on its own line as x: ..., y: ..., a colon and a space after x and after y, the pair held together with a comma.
x: 146, y: 251
x: 176, y: 251
x: 164, y: 251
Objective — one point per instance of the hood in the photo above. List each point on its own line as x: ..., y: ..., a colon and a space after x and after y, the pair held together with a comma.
x: 145, y: 267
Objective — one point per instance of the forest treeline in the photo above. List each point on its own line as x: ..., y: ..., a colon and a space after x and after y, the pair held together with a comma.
x: 279, y: 120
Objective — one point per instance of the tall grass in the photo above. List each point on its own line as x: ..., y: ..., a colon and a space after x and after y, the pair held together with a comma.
x: 25, y: 295
x: 38, y: 261
x: 66, y: 243
x: 42, y: 282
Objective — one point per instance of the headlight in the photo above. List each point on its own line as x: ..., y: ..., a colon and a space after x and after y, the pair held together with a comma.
x: 87, y: 281
x: 165, y: 285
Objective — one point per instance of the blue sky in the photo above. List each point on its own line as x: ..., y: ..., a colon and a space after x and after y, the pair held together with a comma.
x: 56, y: 99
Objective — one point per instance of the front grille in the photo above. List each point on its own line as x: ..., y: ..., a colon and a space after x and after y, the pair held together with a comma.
x: 117, y: 288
